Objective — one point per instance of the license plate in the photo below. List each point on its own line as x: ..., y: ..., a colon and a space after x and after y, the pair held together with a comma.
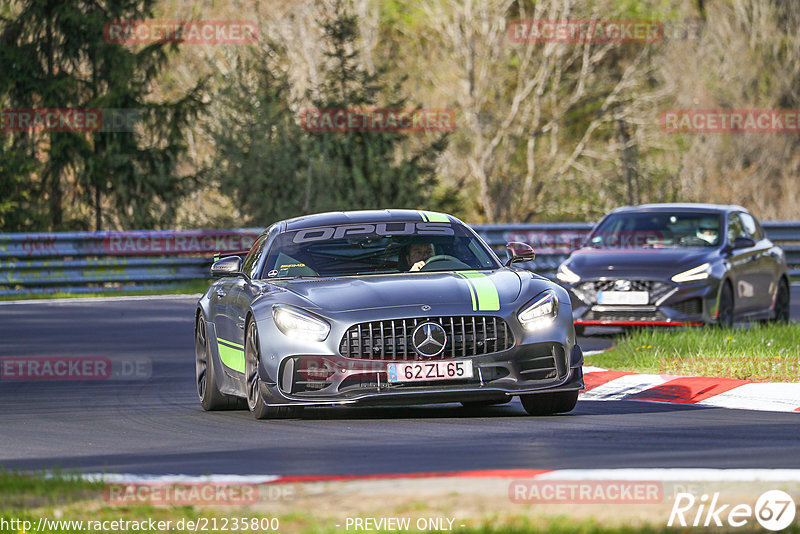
x: 427, y: 371
x: 623, y: 297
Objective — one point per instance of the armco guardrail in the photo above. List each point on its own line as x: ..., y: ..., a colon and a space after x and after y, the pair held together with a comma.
x: 110, y: 261
x: 79, y: 262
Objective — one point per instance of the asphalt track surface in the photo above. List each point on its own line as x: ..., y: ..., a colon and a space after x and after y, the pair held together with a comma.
x: 156, y: 425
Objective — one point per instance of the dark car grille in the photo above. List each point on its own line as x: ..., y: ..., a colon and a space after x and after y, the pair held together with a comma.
x: 542, y: 361
x: 624, y: 315
x: 391, y: 340
x: 692, y: 306
x: 589, y: 290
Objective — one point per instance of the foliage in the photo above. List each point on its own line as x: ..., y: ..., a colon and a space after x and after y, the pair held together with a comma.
x: 53, y: 55
x: 275, y: 169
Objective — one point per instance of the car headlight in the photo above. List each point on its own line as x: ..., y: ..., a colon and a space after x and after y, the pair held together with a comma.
x: 701, y: 272
x: 541, y: 312
x: 300, y: 324
x: 566, y: 275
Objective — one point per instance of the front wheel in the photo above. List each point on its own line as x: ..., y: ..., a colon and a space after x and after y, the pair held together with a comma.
x: 782, y: 302
x: 549, y: 403
x: 725, y: 311
x: 255, y: 399
x: 211, y: 398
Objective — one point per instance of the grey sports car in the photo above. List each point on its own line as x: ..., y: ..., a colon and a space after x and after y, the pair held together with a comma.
x: 382, y: 307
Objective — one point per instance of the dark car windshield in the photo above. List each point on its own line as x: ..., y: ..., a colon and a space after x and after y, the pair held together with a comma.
x: 658, y: 230
x: 379, y: 248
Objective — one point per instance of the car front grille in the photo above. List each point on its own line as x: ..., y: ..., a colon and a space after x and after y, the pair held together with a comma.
x: 391, y: 340
x: 624, y: 314
x: 588, y: 290
x: 542, y: 361
x: 693, y: 306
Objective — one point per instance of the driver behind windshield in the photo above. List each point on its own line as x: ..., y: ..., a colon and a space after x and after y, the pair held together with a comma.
x: 708, y: 231
x: 416, y: 254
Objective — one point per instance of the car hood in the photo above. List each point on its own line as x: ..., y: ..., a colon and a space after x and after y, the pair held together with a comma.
x: 595, y: 262
x: 349, y: 293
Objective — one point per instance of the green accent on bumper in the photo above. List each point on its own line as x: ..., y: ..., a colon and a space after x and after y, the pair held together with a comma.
x: 482, y: 286
x: 231, y: 354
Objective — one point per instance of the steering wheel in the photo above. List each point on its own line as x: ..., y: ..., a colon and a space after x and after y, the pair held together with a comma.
x: 441, y: 257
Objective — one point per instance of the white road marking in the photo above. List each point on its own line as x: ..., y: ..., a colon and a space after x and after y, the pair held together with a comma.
x: 678, y: 474
x: 623, y: 386
x: 779, y: 397
x: 128, y: 478
x: 632, y: 474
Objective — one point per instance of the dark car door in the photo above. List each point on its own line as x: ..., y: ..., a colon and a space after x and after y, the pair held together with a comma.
x: 743, y: 266
x: 765, y: 264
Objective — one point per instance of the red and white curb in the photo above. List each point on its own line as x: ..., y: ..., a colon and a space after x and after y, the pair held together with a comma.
x: 604, y: 385
x: 633, y: 474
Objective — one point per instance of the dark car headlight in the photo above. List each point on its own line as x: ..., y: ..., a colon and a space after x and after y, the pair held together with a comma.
x: 701, y: 272
x: 300, y: 324
x: 540, y: 312
x: 567, y: 275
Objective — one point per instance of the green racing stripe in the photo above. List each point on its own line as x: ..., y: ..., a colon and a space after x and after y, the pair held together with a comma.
x: 231, y: 354
x: 430, y: 216
x: 482, y: 290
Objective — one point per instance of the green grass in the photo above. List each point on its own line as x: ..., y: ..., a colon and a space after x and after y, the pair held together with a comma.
x: 186, y: 288
x: 767, y: 352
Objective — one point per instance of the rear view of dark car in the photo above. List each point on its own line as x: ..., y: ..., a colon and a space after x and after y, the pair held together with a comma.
x: 676, y: 265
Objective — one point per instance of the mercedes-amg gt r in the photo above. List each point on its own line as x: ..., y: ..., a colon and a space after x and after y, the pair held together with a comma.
x: 382, y: 307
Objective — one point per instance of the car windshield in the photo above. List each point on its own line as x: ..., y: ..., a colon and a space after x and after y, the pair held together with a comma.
x: 380, y: 248
x: 657, y: 230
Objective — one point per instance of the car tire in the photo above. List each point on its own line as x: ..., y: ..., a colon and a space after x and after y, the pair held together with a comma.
x: 549, y: 403
x: 726, y: 306
x: 255, y: 397
x: 211, y: 398
x: 485, y: 403
x: 782, y: 302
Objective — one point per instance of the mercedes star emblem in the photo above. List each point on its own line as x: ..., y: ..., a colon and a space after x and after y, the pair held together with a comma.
x: 429, y: 339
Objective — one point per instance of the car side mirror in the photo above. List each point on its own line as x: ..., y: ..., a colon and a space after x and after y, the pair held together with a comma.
x: 518, y: 251
x: 229, y: 266
x: 743, y: 242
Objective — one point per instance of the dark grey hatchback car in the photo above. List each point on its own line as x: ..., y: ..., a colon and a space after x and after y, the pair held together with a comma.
x: 676, y: 265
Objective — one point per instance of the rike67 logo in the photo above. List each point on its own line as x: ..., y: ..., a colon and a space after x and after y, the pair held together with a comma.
x: 774, y: 510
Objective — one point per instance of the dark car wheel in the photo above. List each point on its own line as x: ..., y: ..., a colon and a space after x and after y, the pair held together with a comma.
x: 549, y: 403
x: 484, y: 403
x: 725, y: 312
x: 782, y: 300
x: 255, y: 400
x: 211, y: 398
